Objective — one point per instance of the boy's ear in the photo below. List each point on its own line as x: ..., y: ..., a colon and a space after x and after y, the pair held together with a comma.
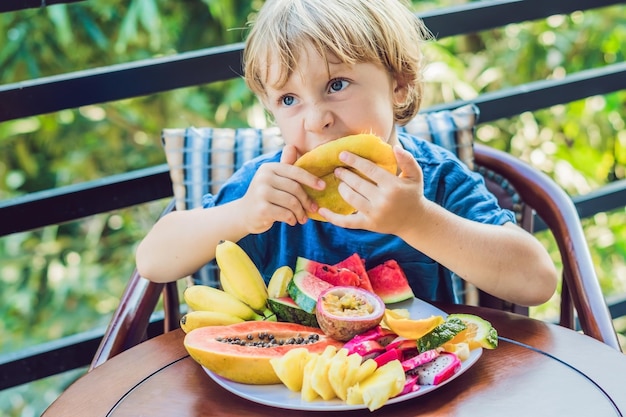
x: 401, y: 87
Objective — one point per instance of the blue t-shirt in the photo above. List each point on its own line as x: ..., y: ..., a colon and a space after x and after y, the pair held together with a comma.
x: 447, y: 182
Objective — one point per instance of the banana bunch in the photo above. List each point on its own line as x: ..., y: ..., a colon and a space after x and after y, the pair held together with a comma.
x: 213, y: 307
x: 239, y: 276
x: 243, y: 298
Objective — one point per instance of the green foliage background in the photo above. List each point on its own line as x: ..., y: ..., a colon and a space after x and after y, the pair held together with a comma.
x: 65, y: 279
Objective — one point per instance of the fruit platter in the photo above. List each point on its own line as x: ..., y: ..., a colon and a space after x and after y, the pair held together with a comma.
x: 326, y: 337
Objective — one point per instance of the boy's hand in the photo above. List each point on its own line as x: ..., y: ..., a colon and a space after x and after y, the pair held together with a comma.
x: 276, y: 194
x: 385, y: 204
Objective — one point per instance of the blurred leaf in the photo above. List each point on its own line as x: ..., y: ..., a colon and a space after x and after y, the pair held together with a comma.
x: 59, y: 16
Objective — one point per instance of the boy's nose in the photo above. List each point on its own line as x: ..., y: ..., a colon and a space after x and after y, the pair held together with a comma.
x: 317, y: 119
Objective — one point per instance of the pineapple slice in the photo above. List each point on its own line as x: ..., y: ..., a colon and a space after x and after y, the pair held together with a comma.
x: 461, y: 349
x: 385, y: 383
x: 366, y: 369
x: 290, y: 368
x: 353, y: 362
x: 320, y: 382
x: 337, y: 373
x: 356, y: 371
x: 308, y: 393
x: 334, y: 373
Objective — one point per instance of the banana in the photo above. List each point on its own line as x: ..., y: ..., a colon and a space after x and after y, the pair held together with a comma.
x: 225, y: 285
x: 205, y: 298
x: 239, y: 276
x: 278, y: 283
x: 266, y: 315
x: 195, y: 319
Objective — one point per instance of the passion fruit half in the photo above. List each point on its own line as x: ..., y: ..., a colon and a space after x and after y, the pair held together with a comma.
x: 343, y: 312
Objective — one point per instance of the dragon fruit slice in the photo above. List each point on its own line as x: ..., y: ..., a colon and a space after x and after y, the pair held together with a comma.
x: 410, y: 385
x: 368, y: 349
x: 388, y: 356
x: 378, y: 334
x: 397, y: 341
x: 416, y: 361
x: 438, y: 370
x: 408, y: 347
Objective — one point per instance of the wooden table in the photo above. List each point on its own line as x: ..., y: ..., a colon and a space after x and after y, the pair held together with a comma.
x: 538, y: 369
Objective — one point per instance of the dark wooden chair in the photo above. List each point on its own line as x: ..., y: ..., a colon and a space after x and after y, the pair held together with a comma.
x: 517, y: 185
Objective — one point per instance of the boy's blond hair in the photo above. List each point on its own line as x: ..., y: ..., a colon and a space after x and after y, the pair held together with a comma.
x: 383, y: 32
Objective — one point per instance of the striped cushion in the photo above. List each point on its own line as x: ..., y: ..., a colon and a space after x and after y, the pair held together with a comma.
x: 201, y: 159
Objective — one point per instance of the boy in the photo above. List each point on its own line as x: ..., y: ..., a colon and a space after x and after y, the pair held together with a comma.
x: 325, y: 70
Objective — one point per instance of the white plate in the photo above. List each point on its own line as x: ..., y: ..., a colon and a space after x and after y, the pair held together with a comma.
x: 279, y: 396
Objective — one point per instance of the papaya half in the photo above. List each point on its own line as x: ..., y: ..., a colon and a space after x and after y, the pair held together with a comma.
x: 323, y: 160
x: 241, y: 352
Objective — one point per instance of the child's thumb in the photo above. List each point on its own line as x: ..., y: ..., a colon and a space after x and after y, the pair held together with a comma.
x: 407, y: 164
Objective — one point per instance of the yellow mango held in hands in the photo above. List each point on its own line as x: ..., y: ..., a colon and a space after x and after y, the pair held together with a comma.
x: 323, y: 160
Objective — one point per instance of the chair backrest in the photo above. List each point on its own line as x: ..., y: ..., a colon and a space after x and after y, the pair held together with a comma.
x: 581, y: 295
x: 201, y: 159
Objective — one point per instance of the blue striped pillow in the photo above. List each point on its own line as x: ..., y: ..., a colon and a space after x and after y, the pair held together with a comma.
x: 201, y: 159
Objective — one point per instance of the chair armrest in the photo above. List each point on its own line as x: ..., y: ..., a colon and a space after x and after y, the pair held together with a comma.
x: 557, y: 210
x: 129, y: 324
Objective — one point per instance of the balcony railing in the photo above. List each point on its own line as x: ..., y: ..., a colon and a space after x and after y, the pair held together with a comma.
x: 140, y: 78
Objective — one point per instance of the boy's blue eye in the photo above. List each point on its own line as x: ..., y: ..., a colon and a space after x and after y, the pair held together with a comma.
x: 288, y: 100
x: 337, y: 85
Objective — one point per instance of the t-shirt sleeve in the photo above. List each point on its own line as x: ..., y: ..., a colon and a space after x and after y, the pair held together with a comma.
x: 451, y: 184
x: 463, y: 192
x: 237, y: 185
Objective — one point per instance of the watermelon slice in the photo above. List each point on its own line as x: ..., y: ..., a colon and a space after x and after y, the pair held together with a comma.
x: 329, y: 273
x: 356, y: 264
x: 287, y: 310
x: 305, y: 288
x: 390, y: 283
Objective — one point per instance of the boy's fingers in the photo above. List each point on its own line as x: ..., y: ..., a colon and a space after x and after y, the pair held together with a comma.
x: 289, y: 155
x: 365, y: 166
x: 372, y: 170
x: 409, y: 167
